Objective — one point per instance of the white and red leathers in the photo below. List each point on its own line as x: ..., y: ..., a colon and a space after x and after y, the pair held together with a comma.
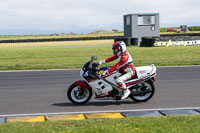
x: 124, y: 65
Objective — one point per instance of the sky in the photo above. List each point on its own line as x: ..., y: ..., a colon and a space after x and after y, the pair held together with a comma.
x: 32, y: 17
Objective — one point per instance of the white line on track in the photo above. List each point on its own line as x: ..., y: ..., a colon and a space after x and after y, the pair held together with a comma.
x: 108, y: 111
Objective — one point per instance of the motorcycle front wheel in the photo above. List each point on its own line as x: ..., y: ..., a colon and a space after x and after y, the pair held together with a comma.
x: 149, y: 89
x: 77, y: 95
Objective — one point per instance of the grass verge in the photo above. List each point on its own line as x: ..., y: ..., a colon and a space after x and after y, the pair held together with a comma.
x: 164, y: 124
x: 75, y: 57
x: 59, y: 43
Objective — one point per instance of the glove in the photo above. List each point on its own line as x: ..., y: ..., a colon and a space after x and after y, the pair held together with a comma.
x: 102, y: 62
x: 103, y: 73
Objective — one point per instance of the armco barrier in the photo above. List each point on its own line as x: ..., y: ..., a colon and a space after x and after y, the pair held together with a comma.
x: 176, y: 43
x: 198, y: 42
x: 169, y: 43
x: 189, y: 43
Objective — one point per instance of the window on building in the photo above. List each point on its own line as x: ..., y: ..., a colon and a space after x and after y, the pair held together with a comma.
x: 153, y: 20
x: 128, y: 20
x: 146, y: 20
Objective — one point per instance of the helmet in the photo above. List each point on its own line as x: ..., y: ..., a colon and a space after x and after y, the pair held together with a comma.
x: 119, y: 47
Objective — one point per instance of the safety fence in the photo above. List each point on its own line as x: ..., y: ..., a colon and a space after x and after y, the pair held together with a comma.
x: 176, y: 43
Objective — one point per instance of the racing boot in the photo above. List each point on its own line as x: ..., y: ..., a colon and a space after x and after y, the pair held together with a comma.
x: 126, y: 93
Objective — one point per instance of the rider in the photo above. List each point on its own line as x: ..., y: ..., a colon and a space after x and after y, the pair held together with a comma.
x: 124, y: 65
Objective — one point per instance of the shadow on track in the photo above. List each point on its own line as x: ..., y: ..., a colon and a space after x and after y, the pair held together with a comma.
x: 96, y: 103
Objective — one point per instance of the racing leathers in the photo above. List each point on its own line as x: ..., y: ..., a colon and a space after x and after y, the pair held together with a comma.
x: 125, y: 66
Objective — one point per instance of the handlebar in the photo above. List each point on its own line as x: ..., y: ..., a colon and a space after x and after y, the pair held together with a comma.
x: 95, y: 65
x: 95, y: 68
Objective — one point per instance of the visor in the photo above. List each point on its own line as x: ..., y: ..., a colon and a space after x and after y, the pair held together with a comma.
x: 116, y: 46
x: 115, y: 51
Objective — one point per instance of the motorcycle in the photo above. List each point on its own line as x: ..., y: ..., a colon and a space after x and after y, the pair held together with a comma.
x: 105, y: 88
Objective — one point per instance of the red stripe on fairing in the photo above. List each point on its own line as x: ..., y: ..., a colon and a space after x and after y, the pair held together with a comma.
x: 138, y: 80
x: 134, y: 82
x: 91, y: 79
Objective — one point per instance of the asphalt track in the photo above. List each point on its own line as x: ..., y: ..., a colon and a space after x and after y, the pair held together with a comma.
x: 27, y: 92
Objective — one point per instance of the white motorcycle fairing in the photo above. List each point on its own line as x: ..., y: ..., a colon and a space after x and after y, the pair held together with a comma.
x: 105, y: 88
x: 102, y: 88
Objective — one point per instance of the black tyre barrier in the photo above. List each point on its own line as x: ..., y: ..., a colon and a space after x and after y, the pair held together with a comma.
x: 147, y: 42
x: 60, y: 39
x: 134, y: 41
x: 128, y: 41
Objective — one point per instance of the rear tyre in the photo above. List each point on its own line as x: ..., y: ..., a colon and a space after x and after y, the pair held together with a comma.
x: 149, y: 86
x: 76, y: 95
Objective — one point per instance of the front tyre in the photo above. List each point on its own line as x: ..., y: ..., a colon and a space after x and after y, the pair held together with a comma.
x: 149, y: 88
x: 77, y: 95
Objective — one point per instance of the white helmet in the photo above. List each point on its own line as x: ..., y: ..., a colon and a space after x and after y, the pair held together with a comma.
x: 119, y: 48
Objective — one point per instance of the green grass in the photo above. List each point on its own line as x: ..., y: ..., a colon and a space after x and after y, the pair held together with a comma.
x: 165, y: 124
x: 75, y: 57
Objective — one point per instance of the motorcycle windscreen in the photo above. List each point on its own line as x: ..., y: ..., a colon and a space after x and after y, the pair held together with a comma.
x: 105, y: 68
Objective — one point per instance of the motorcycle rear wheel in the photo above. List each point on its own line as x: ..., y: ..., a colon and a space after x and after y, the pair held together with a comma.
x: 77, y: 95
x: 144, y: 97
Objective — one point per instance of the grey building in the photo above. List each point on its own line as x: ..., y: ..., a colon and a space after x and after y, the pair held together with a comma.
x: 141, y: 26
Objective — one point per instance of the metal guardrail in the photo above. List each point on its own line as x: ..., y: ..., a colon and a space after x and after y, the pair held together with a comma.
x: 176, y: 43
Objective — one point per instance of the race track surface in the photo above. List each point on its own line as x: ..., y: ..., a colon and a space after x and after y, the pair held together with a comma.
x: 27, y: 92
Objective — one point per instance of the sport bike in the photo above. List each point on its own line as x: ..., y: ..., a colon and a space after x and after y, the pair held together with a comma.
x: 105, y: 87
